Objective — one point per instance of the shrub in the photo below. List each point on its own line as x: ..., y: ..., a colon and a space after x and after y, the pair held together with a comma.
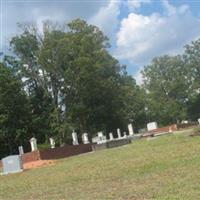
x: 44, y: 146
x: 196, y: 132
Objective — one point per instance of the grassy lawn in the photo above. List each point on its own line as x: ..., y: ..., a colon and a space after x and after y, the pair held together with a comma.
x: 165, y: 168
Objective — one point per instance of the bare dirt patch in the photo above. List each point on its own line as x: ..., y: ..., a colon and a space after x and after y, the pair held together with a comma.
x: 38, y: 163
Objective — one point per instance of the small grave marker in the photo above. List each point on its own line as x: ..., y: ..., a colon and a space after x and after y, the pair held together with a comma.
x: 12, y: 164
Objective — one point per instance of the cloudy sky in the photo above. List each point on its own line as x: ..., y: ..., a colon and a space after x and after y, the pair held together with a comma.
x: 138, y: 29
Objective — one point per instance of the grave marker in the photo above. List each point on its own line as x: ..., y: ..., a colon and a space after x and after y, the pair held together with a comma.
x: 152, y: 126
x: 12, y: 164
x: 75, y: 138
x: 33, y: 142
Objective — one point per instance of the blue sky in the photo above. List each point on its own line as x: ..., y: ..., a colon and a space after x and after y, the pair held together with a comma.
x: 138, y: 29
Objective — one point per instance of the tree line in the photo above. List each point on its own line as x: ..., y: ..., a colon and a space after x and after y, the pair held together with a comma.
x: 63, y: 78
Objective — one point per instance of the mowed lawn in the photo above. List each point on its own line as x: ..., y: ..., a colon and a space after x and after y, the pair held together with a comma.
x: 166, y: 168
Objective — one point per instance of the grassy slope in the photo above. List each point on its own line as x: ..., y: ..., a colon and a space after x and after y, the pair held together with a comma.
x: 163, y: 168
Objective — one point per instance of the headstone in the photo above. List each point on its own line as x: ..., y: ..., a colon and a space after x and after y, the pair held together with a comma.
x: 125, y: 135
x: 75, y: 138
x: 33, y: 142
x: 119, y: 133
x: 12, y: 164
x: 52, y: 143
x: 130, y: 130
x: 199, y: 120
x: 21, y: 150
x: 152, y: 126
x: 111, y: 136
x: 100, y: 138
x: 85, y: 138
x: 184, y: 122
x: 100, y: 134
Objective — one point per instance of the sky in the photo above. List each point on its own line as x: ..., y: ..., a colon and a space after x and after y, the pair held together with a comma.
x: 139, y: 30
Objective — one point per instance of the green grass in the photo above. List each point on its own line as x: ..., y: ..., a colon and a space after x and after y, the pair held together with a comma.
x: 165, y: 168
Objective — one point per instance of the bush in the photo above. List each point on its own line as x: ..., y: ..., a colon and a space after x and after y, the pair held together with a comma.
x: 44, y: 146
x: 196, y: 132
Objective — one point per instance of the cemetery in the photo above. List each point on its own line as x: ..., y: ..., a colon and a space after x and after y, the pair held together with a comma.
x: 167, y: 167
x: 14, y: 163
x: 99, y: 100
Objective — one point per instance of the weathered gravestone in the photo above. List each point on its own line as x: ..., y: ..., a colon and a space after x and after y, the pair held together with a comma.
x: 130, y: 130
x: 85, y: 138
x: 199, y: 120
x: 21, y: 150
x: 52, y: 143
x: 75, y: 138
x: 119, y: 133
x: 12, y: 164
x: 100, y: 138
x: 125, y: 135
x: 33, y: 142
x: 152, y: 126
x: 111, y: 136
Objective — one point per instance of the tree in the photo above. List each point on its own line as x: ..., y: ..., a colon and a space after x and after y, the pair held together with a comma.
x: 72, y: 80
x: 165, y: 81
x: 14, y: 113
x: 192, y: 64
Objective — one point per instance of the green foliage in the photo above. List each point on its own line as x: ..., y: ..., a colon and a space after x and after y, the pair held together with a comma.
x: 65, y: 79
x: 72, y: 82
x: 44, y: 146
x: 167, y: 89
x: 14, y: 113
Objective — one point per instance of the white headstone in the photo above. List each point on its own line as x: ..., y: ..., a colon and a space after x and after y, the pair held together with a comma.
x: 152, y: 126
x: 119, y: 133
x: 85, y: 138
x: 52, y: 143
x: 100, y: 134
x: 75, y: 138
x: 111, y: 136
x: 199, y: 120
x: 125, y: 135
x: 21, y: 150
x: 100, y: 138
x: 33, y: 142
x: 130, y: 130
x: 12, y: 164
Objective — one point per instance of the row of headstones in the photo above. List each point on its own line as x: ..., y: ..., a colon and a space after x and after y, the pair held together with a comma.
x: 99, y: 139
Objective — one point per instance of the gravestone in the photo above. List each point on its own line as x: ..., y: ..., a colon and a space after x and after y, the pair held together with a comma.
x: 130, y: 130
x: 100, y: 138
x: 199, y: 120
x: 21, y: 150
x: 52, y: 143
x: 125, y: 135
x: 111, y: 136
x: 75, y: 138
x: 119, y: 133
x: 33, y: 142
x: 85, y: 138
x: 12, y: 164
x: 152, y: 126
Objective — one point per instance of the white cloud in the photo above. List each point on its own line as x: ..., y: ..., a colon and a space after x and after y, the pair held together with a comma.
x: 135, y: 4
x: 38, y: 11
x: 107, y: 17
x: 138, y: 77
x: 140, y: 37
